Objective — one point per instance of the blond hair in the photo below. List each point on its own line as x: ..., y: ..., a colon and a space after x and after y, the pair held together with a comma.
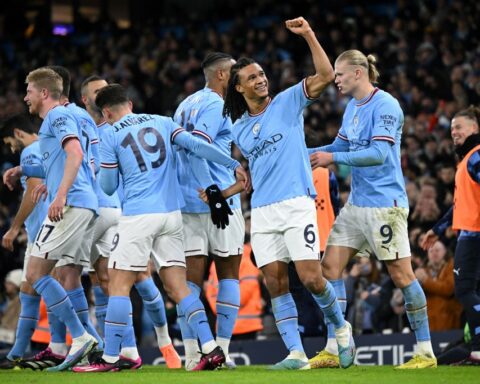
x: 46, y: 78
x: 355, y: 57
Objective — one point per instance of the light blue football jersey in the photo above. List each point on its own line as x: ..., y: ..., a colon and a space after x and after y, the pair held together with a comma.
x: 89, y: 137
x: 104, y: 200
x: 273, y: 142
x: 140, y: 145
x: 59, y: 126
x: 376, y: 117
x: 201, y: 115
x: 31, y: 155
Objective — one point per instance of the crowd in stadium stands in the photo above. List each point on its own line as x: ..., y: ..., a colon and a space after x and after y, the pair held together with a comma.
x: 429, y: 57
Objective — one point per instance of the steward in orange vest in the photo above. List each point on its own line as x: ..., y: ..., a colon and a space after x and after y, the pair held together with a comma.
x: 465, y: 217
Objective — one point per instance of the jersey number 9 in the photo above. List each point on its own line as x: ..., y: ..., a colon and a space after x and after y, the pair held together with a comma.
x: 157, y: 147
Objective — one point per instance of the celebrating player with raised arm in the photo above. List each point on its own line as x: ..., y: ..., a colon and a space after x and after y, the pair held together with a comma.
x: 269, y: 133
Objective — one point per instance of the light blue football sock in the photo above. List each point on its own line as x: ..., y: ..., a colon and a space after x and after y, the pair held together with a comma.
x: 341, y: 293
x: 194, y: 312
x: 286, y: 318
x: 129, y: 340
x: 416, y: 308
x: 27, y: 321
x: 58, y: 330
x: 80, y: 304
x: 153, y: 301
x: 101, y: 302
x: 186, y: 330
x: 329, y: 305
x: 57, y: 301
x: 228, y: 303
x: 116, y: 324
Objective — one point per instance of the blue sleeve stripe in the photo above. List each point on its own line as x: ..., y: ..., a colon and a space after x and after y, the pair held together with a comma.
x: 304, y: 86
x: 68, y: 137
x: 109, y: 165
x: 473, y: 166
x: 175, y: 133
x: 384, y: 138
x: 203, y: 134
x: 342, y: 137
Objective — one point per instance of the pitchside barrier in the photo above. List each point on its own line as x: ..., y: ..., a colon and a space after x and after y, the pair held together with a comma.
x: 379, y: 349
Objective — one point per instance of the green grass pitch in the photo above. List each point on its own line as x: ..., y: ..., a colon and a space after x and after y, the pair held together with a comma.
x: 252, y: 375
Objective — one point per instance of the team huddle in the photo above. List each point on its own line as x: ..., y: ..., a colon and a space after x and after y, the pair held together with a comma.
x: 121, y: 193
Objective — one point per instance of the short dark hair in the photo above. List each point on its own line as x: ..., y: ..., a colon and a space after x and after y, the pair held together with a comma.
x: 20, y: 121
x: 89, y: 80
x: 113, y: 94
x: 64, y: 73
x: 213, y: 57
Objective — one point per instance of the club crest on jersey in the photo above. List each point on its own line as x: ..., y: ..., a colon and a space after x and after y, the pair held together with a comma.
x: 355, y: 120
x: 256, y: 129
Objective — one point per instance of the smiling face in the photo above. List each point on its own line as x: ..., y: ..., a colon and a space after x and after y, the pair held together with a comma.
x: 33, y: 98
x: 462, y: 127
x: 252, y: 82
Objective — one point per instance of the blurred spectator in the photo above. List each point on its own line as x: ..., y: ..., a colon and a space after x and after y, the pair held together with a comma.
x: 10, y: 308
x: 436, y: 279
x: 363, y: 290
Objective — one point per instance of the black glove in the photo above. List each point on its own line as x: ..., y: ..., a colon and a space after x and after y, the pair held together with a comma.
x: 219, y: 208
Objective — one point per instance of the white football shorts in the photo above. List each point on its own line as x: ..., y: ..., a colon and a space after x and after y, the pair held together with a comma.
x: 157, y: 235
x: 285, y: 231
x: 382, y: 231
x: 202, y: 237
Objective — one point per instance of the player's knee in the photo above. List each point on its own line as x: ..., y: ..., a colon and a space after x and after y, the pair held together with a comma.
x: 27, y: 288
x: 313, y: 282
x: 277, y: 286
x: 32, y: 275
x: 328, y: 270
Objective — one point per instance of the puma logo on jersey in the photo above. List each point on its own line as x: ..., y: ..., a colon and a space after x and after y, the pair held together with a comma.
x: 456, y: 271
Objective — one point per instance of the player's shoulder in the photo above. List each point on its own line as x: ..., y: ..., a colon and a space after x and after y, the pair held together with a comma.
x: 81, y: 112
x: 160, y: 119
x: 382, y: 97
x: 287, y: 91
x: 58, y: 111
x: 59, y: 117
x: 207, y: 98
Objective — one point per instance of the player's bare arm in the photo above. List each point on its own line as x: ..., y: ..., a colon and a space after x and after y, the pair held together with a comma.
x: 11, y: 176
x: 26, y: 207
x: 324, y: 73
